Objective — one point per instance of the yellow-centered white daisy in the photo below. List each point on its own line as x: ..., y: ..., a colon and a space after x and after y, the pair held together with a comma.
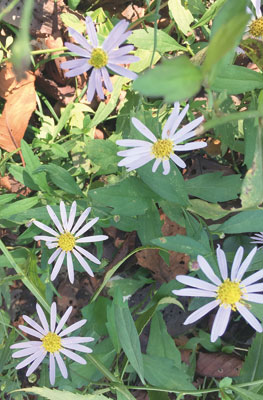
x: 66, y: 241
x: 52, y: 341
x: 255, y: 25
x: 160, y: 150
x: 231, y: 294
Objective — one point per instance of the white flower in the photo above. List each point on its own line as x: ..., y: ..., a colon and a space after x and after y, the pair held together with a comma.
x: 255, y: 25
x: 258, y: 238
x: 67, y: 238
x: 230, y: 294
x: 160, y: 150
x: 52, y: 341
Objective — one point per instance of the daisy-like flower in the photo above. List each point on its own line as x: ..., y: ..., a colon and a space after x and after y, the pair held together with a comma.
x: 99, y: 58
x: 160, y: 150
x: 67, y: 238
x: 52, y: 340
x: 258, y: 238
x: 228, y: 293
x: 255, y: 25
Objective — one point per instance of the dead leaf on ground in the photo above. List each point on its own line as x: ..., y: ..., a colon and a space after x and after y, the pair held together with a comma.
x: 20, y: 103
x: 218, y: 365
x: 151, y: 259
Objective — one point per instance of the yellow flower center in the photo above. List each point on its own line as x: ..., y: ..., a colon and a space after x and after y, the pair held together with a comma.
x: 51, y: 342
x: 66, y: 241
x: 99, y: 58
x: 162, y: 148
x: 229, y: 293
x: 256, y: 27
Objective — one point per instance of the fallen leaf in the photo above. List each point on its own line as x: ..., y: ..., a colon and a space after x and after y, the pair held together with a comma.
x: 20, y: 103
x: 151, y: 259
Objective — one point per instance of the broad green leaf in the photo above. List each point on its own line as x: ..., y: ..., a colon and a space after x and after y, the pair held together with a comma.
x: 32, y: 163
x: 230, y: 9
x: 245, y: 221
x: 163, y: 373
x: 214, y: 187
x: 252, y: 368
x: 252, y: 187
x: 144, y: 39
x: 149, y: 225
x: 145, y: 61
x: 235, y: 79
x: 72, y: 21
x: 54, y: 394
x: 170, y: 187
x: 129, y: 197
x: 210, y: 13
x: 6, y: 198
x: 207, y: 210
x: 225, y: 39
x: 129, y: 338
x: 104, y: 154
x: 175, y: 79
x: 160, y: 342
x: 181, y: 15
x: 182, y: 244
x: 5, y: 351
x: 61, y: 178
x: 17, y: 207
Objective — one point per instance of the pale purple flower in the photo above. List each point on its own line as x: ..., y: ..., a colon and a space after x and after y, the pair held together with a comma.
x: 258, y: 238
x: 66, y: 241
x: 99, y: 58
x: 160, y: 150
x: 228, y: 293
x: 52, y: 340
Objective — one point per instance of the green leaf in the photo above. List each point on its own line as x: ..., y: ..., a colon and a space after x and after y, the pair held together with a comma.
x: 104, y: 154
x: 53, y: 394
x: 129, y: 197
x: 252, y: 187
x: 158, y: 395
x: 163, y: 373
x: 254, y: 50
x: 144, y: 39
x: 183, y: 244
x: 225, y: 39
x: 149, y: 225
x: 160, y: 342
x: 170, y: 187
x: 235, y: 79
x: 73, y: 21
x: 207, y: 210
x: 181, y: 15
x: 145, y: 61
x: 175, y: 79
x: 61, y: 178
x: 6, y: 198
x: 17, y: 207
x: 210, y: 13
x: 214, y: 187
x: 246, y: 394
x: 252, y: 368
x: 250, y: 127
x: 245, y: 221
x: 129, y: 338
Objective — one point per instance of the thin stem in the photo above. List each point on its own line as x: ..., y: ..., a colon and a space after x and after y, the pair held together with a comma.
x: 47, y: 51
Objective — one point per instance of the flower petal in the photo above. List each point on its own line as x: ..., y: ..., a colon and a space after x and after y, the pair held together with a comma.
x: 98, y: 83
x: 189, y: 127
x: 52, y: 369
x: 76, y: 339
x: 83, y: 263
x: 87, y: 254
x: 86, y: 227
x: 115, y: 35
x: 81, y: 220
x: 73, y: 327
x: 177, y: 120
x: 195, y: 282
x: 70, y: 267
x: 222, y: 263
x: 73, y: 356
x: 194, y: 292
x: 45, y: 228
x: 132, y: 143
x: 78, y: 347
x: 167, y: 129
x: 77, y: 50
x: 42, y: 318
x: 106, y: 79
x: 178, y: 161
x: 80, y: 39
x: 91, y: 86
x: 27, y: 351
x: 30, y: 331
x: 91, y: 239
x: 91, y: 31
x: 245, y: 264
x: 196, y: 315
x: 54, y: 255
x: 249, y: 317
x: 63, y: 319
x: 220, y: 322
x: 252, y: 278
x: 143, y: 130
x: 258, y: 287
x: 255, y: 298
x: 34, y: 324
x: 35, y: 364
x: 156, y: 164
x: 57, y: 266
x: 166, y: 167
x: 31, y: 358
x: 61, y: 365
x: 53, y: 316
x: 55, y: 219
x: 207, y: 270
x: 122, y: 71
x: 236, y: 263
x: 72, y: 215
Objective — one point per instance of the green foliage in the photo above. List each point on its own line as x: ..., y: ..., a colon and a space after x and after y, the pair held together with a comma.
x: 53, y: 394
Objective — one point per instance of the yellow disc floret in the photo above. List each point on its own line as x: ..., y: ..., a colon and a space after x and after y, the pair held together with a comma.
x: 99, y: 58
x: 229, y: 293
x: 256, y: 27
x: 162, y: 149
x: 66, y: 241
x: 51, y: 342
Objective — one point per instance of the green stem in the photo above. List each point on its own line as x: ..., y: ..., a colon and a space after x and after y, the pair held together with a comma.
x: 24, y: 278
x: 47, y: 51
x: 101, y: 368
x: 229, y: 118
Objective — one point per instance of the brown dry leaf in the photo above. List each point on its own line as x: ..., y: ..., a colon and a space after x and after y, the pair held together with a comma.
x: 20, y: 103
x: 213, y: 147
x: 218, y: 365
x: 151, y: 259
